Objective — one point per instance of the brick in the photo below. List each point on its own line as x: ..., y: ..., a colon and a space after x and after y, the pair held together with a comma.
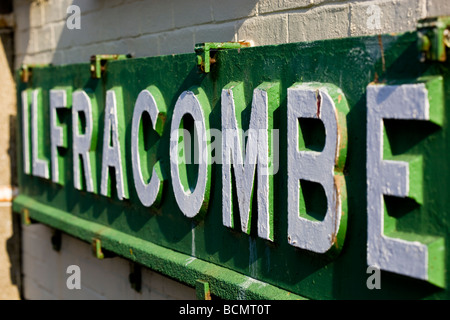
x: 87, y: 6
x: 264, y: 30
x: 84, y: 293
x: 59, y: 58
x: 83, y: 52
x: 436, y: 8
x: 233, y: 9
x: 33, y: 39
x: 32, y: 291
x: 112, y: 288
x: 71, y: 246
x: 58, y: 32
x: 178, y: 41
x: 109, y: 284
x: 33, y: 246
x: 216, y: 33
x: 163, y: 286
x: 100, y: 279
x: 22, y: 17
x: 154, y: 16
x: 35, y: 58
x: 36, y: 241
x: 152, y: 280
x: 120, y: 21
x: 36, y: 15
x: 394, y: 16
x: 55, y: 10
x: 180, y: 291
x: 110, y: 47
x: 319, y: 23
x: 144, y: 294
x: 67, y: 38
x: 114, y: 3
x: 266, y: 6
x: 46, y: 273
x: 113, y: 26
x: 75, y: 55
x: 157, y: 296
x: 190, y: 13
x: 44, y: 57
x: 45, y: 38
x: 143, y: 46
x: 91, y: 31
x: 121, y: 291
x: 21, y: 41
x: 116, y: 265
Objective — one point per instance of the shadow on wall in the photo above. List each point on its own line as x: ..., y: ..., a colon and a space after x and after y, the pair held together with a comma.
x: 51, y: 31
x: 10, y: 277
x: 66, y: 32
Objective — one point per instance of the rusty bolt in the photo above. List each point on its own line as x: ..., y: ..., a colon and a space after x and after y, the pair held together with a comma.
x: 447, y: 38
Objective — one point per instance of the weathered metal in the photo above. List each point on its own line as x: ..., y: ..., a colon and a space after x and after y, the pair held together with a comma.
x: 202, y: 290
x: 434, y: 38
x: 99, y: 61
x: 26, y: 71
x: 244, y: 247
x: 206, y: 52
x: 97, y: 248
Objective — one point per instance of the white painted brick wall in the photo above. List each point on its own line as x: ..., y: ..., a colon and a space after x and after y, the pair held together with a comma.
x: 45, y: 276
x: 151, y: 28
x: 323, y: 22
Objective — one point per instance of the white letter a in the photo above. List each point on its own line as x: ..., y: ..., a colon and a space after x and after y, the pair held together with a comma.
x: 373, y: 282
x: 74, y: 20
x: 73, y: 281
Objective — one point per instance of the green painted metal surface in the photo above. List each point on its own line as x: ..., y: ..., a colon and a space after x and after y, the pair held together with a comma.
x: 233, y: 263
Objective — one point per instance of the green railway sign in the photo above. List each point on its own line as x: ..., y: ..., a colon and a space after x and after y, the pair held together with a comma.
x: 280, y: 172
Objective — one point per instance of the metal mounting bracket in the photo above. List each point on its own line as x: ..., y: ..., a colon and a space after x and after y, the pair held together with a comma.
x: 433, y: 38
x: 26, y: 219
x: 97, y: 248
x: 26, y: 70
x: 206, y: 52
x: 202, y: 290
x: 98, y: 63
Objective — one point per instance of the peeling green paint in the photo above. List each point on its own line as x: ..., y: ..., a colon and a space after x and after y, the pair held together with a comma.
x: 237, y: 265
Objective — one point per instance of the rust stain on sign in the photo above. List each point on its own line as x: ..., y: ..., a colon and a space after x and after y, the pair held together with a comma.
x: 319, y: 102
x: 380, y: 42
